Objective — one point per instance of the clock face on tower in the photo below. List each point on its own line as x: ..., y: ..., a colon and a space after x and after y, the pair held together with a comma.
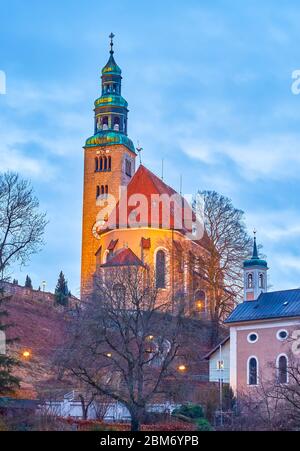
x: 97, y: 228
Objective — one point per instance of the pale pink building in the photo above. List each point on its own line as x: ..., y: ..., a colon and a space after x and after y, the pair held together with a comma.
x: 264, y: 330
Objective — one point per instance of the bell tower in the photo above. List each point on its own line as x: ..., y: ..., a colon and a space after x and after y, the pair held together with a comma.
x: 109, y: 163
x: 255, y: 275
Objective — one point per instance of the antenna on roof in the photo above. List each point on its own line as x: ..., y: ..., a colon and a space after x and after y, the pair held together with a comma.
x: 180, y: 188
x: 139, y: 150
x: 162, y: 168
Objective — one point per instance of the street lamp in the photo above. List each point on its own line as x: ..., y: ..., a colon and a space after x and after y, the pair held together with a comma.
x: 26, y: 354
x: 182, y: 368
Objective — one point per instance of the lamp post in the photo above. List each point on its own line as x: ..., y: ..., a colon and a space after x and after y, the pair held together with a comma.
x: 221, y: 369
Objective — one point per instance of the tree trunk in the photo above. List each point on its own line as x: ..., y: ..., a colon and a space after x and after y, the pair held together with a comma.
x: 137, y: 417
x: 135, y: 423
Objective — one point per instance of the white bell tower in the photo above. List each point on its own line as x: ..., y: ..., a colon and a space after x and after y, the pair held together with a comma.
x: 255, y: 275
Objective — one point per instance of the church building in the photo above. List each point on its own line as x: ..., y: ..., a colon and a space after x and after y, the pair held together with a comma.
x: 124, y: 209
x: 264, y: 340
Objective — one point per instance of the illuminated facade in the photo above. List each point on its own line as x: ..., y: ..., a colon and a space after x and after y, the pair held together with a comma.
x: 109, y: 165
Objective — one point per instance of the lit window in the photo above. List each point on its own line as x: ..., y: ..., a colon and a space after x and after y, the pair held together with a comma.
x: 220, y: 365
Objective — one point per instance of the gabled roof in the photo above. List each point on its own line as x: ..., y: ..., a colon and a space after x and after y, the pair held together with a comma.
x: 277, y: 304
x: 147, y: 184
x: 124, y: 257
x: 216, y: 348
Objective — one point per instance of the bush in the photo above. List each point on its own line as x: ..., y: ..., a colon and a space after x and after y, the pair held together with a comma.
x: 193, y: 411
x: 203, y: 425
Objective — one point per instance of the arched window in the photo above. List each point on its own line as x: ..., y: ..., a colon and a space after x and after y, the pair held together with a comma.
x: 102, y: 189
x: 109, y: 163
x: 250, y: 281
x: 282, y: 369
x: 101, y: 164
x: 98, y: 191
x: 104, y: 163
x: 252, y: 371
x: 106, y: 189
x: 105, y: 123
x: 160, y: 269
x: 200, y: 301
x: 96, y: 164
x: 261, y: 282
x: 116, y: 123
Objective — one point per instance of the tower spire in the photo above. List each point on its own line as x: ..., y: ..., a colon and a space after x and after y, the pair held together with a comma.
x: 111, y: 36
x: 255, y: 251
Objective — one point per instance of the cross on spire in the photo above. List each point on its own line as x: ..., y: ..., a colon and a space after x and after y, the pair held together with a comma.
x: 139, y: 150
x: 111, y: 36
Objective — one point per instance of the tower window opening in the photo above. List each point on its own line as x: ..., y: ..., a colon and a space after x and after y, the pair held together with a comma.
x: 116, y: 123
x: 109, y: 163
x: 104, y: 164
x: 106, y: 189
x: 128, y: 168
x: 261, y: 281
x: 98, y: 191
x: 102, y: 189
x: 96, y: 164
x: 105, y: 123
x: 250, y: 281
x: 101, y: 164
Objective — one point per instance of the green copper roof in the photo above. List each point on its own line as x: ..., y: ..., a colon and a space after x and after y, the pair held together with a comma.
x: 109, y: 139
x: 111, y: 100
x: 111, y: 67
x: 255, y: 260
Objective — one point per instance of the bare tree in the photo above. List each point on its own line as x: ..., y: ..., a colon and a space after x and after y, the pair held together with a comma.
x: 21, y: 224
x: 289, y: 392
x: 228, y: 245
x: 123, y: 344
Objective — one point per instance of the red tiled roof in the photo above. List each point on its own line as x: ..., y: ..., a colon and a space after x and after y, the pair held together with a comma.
x: 145, y: 183
x: 124, y: 257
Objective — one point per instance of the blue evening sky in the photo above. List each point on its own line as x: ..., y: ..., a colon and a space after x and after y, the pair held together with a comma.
x: 209, y: 90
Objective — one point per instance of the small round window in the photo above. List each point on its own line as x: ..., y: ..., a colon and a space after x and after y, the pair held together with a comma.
x: 282, y: 335
x: 253, y: 337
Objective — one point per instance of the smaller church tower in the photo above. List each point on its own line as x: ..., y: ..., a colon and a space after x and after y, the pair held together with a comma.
x: 255, y: 275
